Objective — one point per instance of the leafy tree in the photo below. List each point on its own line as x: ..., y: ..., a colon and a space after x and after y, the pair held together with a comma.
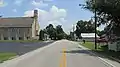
x: 59, y: 29
x: 100, y: 33
x: 84, y: 27
x: 55, y: 33
x: 60, y: 33
x: 41, y: 35
x: 107, y: 13
x: 51, y: 31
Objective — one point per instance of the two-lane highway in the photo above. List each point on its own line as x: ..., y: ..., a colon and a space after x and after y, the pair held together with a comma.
x: 61, y: 53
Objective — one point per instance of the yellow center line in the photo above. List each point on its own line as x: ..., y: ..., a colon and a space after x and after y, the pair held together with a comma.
x: 63, y: 62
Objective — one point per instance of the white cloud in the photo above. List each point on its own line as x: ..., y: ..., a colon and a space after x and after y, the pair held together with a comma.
x: 63, y: 20
x: 28, y: 13
x: 18, y: 2
x: 55, y: 16
x: 55, y: 23
x: 14, y: 10
x: 39, y: 3
x: 2, y: 3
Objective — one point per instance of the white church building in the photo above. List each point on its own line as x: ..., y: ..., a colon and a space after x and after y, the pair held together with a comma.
x: 19, y: 28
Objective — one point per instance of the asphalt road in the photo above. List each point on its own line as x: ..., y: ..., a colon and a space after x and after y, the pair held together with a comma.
x: 59, y: 54
x: 22, y: 48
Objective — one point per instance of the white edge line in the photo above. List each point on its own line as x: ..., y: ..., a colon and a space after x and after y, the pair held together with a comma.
x: 102, y: 59
x: 106, y: 62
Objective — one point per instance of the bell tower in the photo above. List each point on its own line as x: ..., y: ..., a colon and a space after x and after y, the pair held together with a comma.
x: 36, y: 22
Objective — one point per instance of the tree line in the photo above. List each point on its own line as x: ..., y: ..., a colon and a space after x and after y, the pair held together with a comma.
x: 56, y: 33
x: 107, y: 14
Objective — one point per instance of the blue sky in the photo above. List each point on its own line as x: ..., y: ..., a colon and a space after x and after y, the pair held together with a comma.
x: 64, y: 12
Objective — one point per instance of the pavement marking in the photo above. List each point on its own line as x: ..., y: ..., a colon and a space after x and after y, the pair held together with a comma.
x: 63, y: 62
x: 102, y: 59
x: 107, y: 62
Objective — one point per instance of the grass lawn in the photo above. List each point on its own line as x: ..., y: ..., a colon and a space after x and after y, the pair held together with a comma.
x: 6, y: 56
x: 21, y: 41
x: 91, y: 46
x: 102, y: 50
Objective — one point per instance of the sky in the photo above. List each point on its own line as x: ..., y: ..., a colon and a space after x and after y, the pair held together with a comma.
x: 56, y: 12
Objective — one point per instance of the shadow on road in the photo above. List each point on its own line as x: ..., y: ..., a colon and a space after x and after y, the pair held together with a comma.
x: 92, y: 53
x: 22, y: 48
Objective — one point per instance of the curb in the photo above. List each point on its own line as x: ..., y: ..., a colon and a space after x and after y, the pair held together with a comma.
x: 115, y: 59
x: 13, y: 57
x: 99, y: 56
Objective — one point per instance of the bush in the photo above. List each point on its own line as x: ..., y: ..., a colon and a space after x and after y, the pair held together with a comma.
x: 104, y: 48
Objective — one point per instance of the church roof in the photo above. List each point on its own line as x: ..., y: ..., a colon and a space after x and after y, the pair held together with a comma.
x: 16, y: 22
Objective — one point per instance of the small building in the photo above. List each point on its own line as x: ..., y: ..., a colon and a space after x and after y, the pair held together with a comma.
x: 88, y: 36
x: 19, y: 28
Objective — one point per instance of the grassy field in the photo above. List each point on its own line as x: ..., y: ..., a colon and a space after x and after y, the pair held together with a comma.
x: 102, y: 50
x: 6, y: 56
x: 21, y: 41
x: 91, y: 46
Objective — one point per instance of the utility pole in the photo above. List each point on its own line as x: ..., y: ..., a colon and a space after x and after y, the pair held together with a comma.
x: 73, y: 28
x: 73, y: 32
x: 95, y: 26
x: 95, y: 23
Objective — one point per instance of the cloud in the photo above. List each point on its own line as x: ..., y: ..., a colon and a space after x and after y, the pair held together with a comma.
x: 2, y: 3
x: 55, y: 16
x: 28, y: 13
x: 14, y: 10
x: 39, y: 3
x: 55, y: 23
x: 63, y: 20
x: 18, y: 2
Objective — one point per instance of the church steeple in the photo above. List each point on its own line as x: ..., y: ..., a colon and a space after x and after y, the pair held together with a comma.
x: 36, y: 22
x: 36, y: 13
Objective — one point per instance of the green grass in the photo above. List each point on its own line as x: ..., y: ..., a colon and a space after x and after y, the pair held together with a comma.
x: 91, y: 46
x: 21, y: 41
x: 102, y: 50
x: 6, y: 56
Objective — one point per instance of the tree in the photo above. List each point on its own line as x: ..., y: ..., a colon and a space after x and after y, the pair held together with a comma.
x: 51, y: 31
x: 84, y: 27
x: 60, y: 33
x: 55, y: 33
x: 100, y: 33
x: 107, y: 12
x: 41, y: 35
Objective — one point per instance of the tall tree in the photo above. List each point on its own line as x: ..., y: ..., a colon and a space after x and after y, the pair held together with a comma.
x: 51, y: 31
x: 84, y: 27
x: 60, y: 33
x: 55, y: 33
x: 41, y: 35
x: 107, y: 12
